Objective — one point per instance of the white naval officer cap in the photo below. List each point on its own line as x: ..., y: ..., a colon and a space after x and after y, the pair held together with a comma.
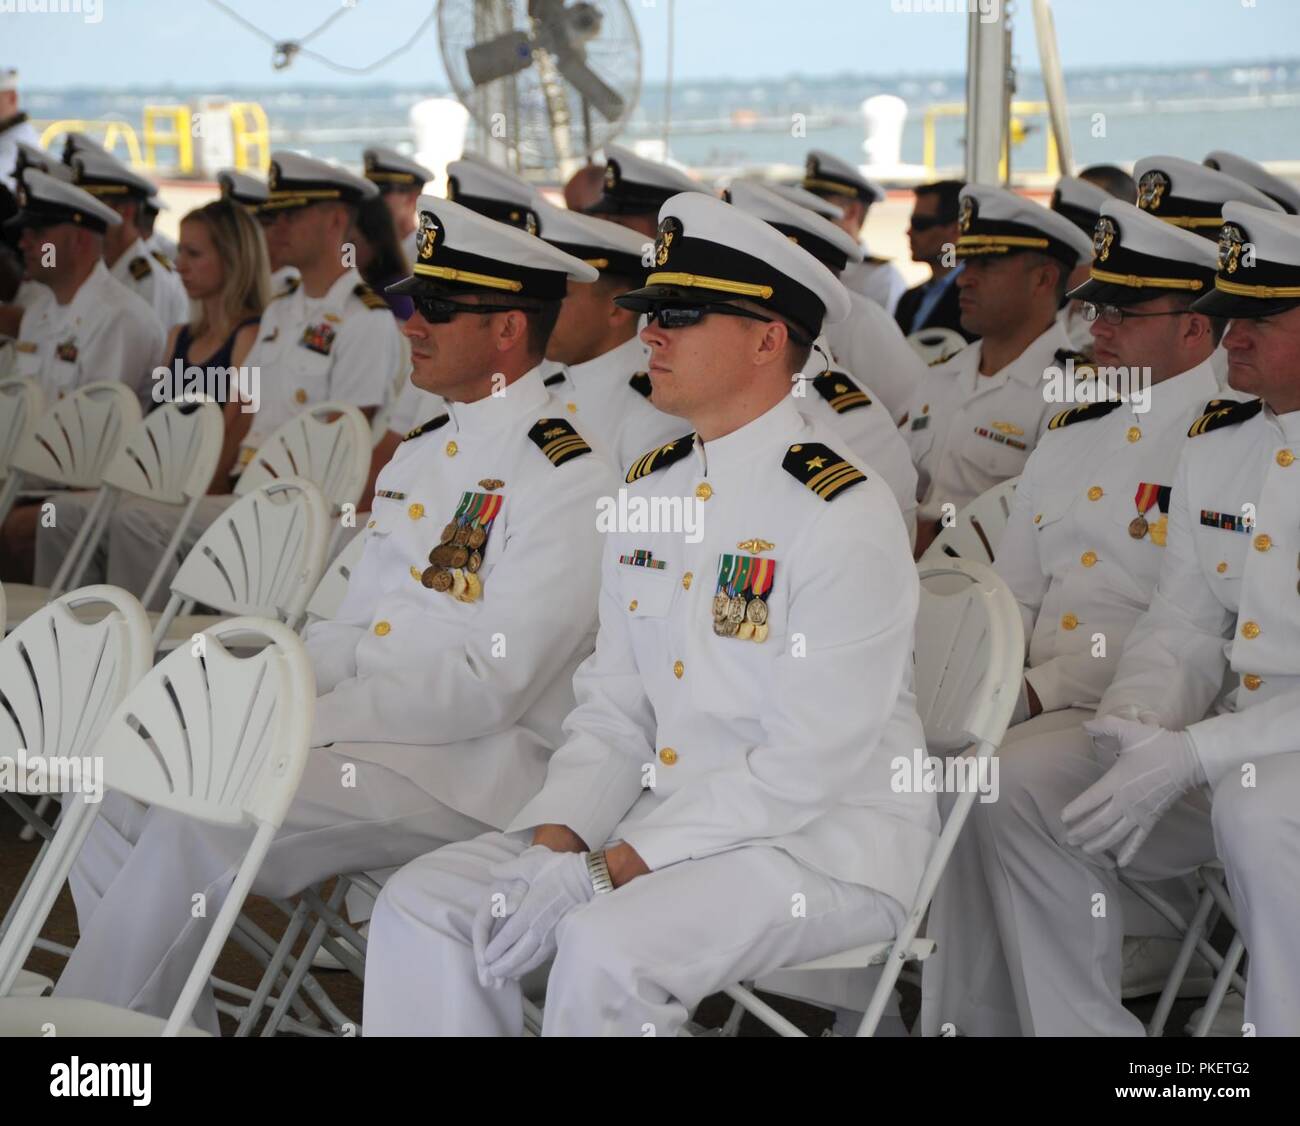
x: 390, y: 169
x: 1281, y: 192
x: 1259, y: 264
x: 997, y: 221
x: 242, y: 188
x: 1079, y: 201
x: 294, y: 181
x: 635, y: 185
x: 44, y: 201
x: 609, y: 247
x: 29, y: 156
x: 818, y: 205
x: 1136, y: 258
x: 832, y: 246
x: 1190, y: 195
x: 825, y: 172
x: 493, y: 191
x: 80, y: 142
x: 708, y: 251
x: 107, y: 178
x: 460, y: 251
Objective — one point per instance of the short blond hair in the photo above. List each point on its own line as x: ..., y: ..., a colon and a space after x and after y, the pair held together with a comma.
x: 246, y: 287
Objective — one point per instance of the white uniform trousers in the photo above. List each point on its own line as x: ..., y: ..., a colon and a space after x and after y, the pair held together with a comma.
x: 1030, y: 931
x: 135, y: 905
x: 634, y: 962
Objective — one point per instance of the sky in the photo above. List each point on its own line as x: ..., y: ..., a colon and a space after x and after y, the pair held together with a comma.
x: 155, y: 43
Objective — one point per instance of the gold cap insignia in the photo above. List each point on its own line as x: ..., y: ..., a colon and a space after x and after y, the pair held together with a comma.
x: 965, y: 214
x: 430, y: 234
x: 611, y: 175
x: 1152, y: 189
x: 669, y: 229
x: 1231, y: 241
x: 1103, y: 236
x: 273, y: 177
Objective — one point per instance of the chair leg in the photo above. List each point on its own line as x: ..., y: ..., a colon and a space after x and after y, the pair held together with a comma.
x: 262, y: 947
x: 1185, y: 952
x: 761, y: 1009
x: 300, y: 968
x: 1226, y: 975
x: 272, y: 972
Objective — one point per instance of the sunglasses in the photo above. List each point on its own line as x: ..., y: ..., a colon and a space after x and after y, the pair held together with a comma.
x: 927, y: 222
x: 684, y: 316
x: 440, y: 310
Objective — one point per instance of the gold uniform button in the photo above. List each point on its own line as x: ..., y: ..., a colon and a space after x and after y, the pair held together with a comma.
x: 1069, y: 621
x: 1222, y: 568
x: 1038, y: 519
x: 572, y: 408
x: 1095, y: 493
x: 371, y: 524
x: 678, y: 669
x: 1285, y: 458
x: 686, y: 580
x: 415, y: 573
x: 451, y: 449
x: 667, y: 756
x: 1251, y: 681
x: 382, y: 628
x: 415, y: 511
x: 632, y: 605
x: 1250, y: 631
x: 1134, y: 434
x: 1263, y: 541
x: 704, y: 490
x: 1088, y: 559
x: 300, y: 396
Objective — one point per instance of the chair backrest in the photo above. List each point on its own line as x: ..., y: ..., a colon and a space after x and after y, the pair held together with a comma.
x: 379, y: 423
x: 75, y: 439
x: 22, y: 402
x: 970, y: 654
x: 220, y: 738
x: 934, y: 345
x: 263, y: 555
x: 978, y: 529
x: 328, y: 445
x: 61, y: 674
x: 329, y: 592
x: 171, y: 454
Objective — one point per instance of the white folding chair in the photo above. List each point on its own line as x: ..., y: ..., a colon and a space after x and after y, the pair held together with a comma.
x: 329, y: 592
x: 220, y: 738
x: 62, y: 673
x: 934, y: 345
x: 72, y: 443
x: 22, y: 402
x: 169, y: 457
x: 978, y: 529
x: 379, y: 423
x: 969, y: 660
x: 262, y: 556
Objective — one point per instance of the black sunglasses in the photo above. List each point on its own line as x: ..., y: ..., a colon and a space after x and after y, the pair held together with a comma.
x: 926, y: 222
x: 684, y: 316
x: 440, y: 310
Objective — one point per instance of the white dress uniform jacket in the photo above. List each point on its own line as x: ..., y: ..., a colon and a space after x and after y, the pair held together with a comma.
x: 968, y: 431
x: 847, y: 406
x: 144, y: 273
x: 870, y: 344
x: 687, y: 744
x: 876, y: 279
x: 104, y: 332
x: 343, y: 345
x: 466, y: 699
x: 610, y: 397
x: 1229, y: 588
x: 1067, y: 553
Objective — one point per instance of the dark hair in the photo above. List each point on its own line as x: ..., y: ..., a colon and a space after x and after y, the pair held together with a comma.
x: 1113, y: 179
x: 1218, y: 325
x: 541, y: 315
x: 1062, y: 272
x: 948, y: 192
x: 374, y: 223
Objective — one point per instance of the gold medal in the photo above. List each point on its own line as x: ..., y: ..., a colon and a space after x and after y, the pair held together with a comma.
x: 474, y: 563
x: 461, y: 538
x: 756, y: 611
x: 720, y: 626
x: 436, y: 578
x: 721, y: 604
x: 1160, y: 531
x: 473, y: 588
x: 477, y: 537
x: 448, y: 533
x: 1137, y: 527
x: 745, y: 631
x: 736, y: 611
x: 459, y: 556
x: 728, y: 628
x: 458, y: 584
x: 441, y: 555
x: 760, y: 633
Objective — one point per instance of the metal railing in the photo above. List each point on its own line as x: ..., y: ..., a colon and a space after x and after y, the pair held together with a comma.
x: 929, y: 123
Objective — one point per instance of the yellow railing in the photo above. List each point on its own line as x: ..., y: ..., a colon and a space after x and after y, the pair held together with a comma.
x: 958, y: 109
x: 110, y: 132
x: 168, y: 127
x: 251, y: 131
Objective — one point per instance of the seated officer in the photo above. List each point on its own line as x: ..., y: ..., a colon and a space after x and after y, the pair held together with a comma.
x: 400, y: 181
x: 445, y: 674
x: 1282, y: 192
x: 126, y: 254
x: 868, y: 342
x: 603, y: 366
x: 974, y: 419
x: 636, y: 188
x: 1088, y: 532
x: 330, y: 338
x: 1164, y: 787
x: 1080, y: 202
x: 841, y: 183
x: 730, y: 748
x: 834, y: 395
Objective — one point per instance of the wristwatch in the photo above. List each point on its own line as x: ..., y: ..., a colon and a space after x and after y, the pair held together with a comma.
x: 598, y: 870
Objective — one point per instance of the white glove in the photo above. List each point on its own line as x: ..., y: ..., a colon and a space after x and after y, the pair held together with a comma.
x: 1106, y: 744
x: 1155, y: 768
x: 541, y: 887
